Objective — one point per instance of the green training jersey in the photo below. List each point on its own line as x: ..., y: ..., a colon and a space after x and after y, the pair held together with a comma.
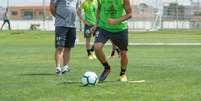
x: 89, y: 7
x: 112, y: 9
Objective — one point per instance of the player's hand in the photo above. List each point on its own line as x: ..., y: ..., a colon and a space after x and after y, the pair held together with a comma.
x: 93, y: 29
x: 112, y: 21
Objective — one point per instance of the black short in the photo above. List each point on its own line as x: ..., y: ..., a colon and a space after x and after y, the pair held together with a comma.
x: 6, y: 20
x: 65, y: 37
x: 87, y: 33
x: 120, y: 39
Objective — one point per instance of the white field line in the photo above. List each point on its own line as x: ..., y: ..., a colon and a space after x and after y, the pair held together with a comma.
x: 155, y: 44
x: 140, y: 81
x: 166, y: 44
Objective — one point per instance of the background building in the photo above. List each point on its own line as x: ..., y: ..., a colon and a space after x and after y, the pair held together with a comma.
x: 196, y: 15
x: 147, y: 14
x: 2, y: 10
x: 174, y: 11
x: 29, y: 13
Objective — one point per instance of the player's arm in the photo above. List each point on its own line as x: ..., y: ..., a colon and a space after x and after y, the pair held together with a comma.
x: 79, y: 10
x: 97, y: 17
x: 128, y: 15
x: 52, y: 9
x: 98, y: 12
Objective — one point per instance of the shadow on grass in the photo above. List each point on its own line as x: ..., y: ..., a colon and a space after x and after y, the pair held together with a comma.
x: 69, y: 82
x: 119, y: 82
x: 16, y: 32
x: 101, y: 83
x: 78, y: 82
x: 37, y: 74
x: 75, y: 83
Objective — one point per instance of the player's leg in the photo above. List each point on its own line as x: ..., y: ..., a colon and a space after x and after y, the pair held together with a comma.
x: 66, y: 60
x: 124, y: 63
x: 58, y: 58
x: 121, y: 41
x: 9, y: 27
x: 113, y: 51
x: 93, y: 53
x: 100, y: 40
x: 69, y: 43
x: 99, y: 52
x: 101, y: 57
x: 88, y: 47
x: 3, y: 24
x: 59, y: 45
x: 92, y: 47
x: 87, y: 35
x: 117, y: 50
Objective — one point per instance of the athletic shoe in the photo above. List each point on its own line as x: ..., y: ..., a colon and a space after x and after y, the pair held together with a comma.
x: 91, y: 57
x: 104, y: 74
x: 66, y: 69
x: 58, y: 71
x: 123, y: 78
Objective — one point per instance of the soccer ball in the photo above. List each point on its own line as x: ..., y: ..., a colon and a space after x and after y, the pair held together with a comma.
x: 89, y: 79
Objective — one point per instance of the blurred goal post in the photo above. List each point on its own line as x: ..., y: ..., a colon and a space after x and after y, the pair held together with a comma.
x: 147, y: 16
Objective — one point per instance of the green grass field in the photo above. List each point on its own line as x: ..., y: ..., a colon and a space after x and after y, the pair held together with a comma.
x: 172, y: 73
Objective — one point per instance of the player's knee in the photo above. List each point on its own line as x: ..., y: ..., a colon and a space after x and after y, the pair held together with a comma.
x: 123, y: 53
x: 59, y: 50
x: 97, y: 47
x: 67, y: 49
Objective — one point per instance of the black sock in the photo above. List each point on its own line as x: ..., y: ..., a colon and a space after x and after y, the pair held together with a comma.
x: 92, y: 48
x: 123, y: 71
x: 112, y: 54
x: 118, y: 51
x: 106, y: 65
x: 89, y: 52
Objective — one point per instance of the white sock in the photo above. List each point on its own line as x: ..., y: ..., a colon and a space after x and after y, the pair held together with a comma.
x: 58, y: 68
x: 58, y: 65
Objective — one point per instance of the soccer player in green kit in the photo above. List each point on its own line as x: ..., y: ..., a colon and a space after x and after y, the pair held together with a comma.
x: 111, y: 25
x: 89, y: 7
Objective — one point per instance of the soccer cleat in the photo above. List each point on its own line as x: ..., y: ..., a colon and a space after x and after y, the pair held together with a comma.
x: 65, y: 70
x: 58, y: 71
x: 104, y: 74
x: 123, y: 78
x: 91, y: 57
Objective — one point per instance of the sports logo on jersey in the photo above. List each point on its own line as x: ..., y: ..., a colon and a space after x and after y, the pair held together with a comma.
x: 97, y: 34
x: 111, y: 10
x: 71, y: 3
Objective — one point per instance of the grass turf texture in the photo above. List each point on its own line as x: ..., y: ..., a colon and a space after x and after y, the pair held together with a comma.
x: 172, y: 73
